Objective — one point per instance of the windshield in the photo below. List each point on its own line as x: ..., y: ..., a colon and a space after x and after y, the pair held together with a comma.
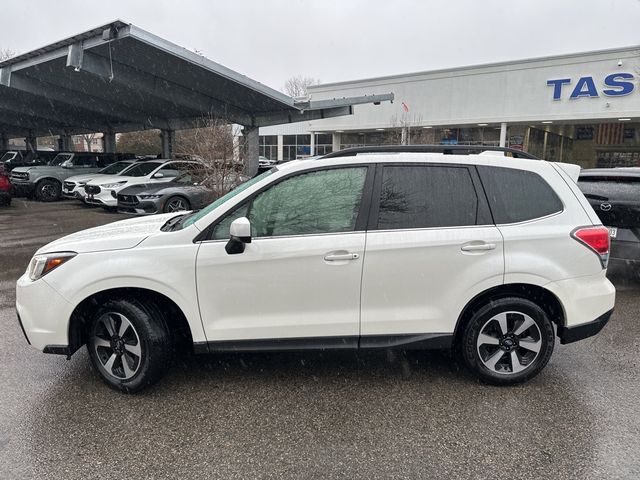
x: 239, y: 189
x: 8, y: 156
x: 60, y: 159
x: 115, y: 168
x: 142, y: 169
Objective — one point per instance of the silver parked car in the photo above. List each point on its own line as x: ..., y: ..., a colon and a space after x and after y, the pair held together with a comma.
x: 182, y: 193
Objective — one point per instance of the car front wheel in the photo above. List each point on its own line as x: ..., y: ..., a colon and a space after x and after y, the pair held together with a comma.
x: 508, y: 341
x: 129, y: 344
x: 48, y: 190
x: 176, y: 204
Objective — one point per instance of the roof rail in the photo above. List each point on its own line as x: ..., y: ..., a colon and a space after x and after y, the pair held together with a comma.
x: 444, y: 149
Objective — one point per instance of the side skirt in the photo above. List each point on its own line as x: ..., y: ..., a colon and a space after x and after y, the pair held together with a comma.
x: 423, y: 341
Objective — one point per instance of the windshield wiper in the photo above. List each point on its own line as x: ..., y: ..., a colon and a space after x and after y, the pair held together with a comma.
x: 172, y: 222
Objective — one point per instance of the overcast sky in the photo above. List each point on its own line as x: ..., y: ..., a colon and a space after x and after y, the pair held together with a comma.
x: 334, y: 40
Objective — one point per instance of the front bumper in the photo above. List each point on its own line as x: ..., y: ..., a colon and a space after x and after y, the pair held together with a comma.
x: 43, y: 313
x: 585, y: 330
x: 21, y: 189
x: 105, y: 198
x: 143, y: 207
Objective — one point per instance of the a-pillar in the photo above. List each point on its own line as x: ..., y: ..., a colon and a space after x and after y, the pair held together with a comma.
x: 335, y: 140
x: 168, y: 137
x: 252, y: 149
x: 4, y: 141
x: 109, y: 142
x: 32, y: 143
x: 64, y: 143
x: 503, y: 134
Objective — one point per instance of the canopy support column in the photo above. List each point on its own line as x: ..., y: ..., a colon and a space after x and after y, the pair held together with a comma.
x: 64, y: 143
x: 252, y: 149
x: 32, y: 142
x: 168, y: 138
x: 109, y: 142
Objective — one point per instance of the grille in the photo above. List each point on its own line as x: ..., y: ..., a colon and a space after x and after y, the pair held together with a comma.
x: 19, y: 176
x: 128, y: 199
x: 92, y: 189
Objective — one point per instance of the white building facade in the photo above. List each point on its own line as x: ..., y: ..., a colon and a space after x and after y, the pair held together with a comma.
x: 582, y: 108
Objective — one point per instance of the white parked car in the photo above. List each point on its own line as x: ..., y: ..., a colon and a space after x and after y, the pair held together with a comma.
x: 264, y: 162
x: 489, y: 255
x: 104, y: 190
x: 73, y: 187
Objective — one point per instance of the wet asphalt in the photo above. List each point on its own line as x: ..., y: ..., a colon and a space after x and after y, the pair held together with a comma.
x: 312, y: 415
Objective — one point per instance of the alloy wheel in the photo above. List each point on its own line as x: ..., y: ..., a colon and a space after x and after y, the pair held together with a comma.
x: 48, y: 191
x: 176, y: 205
x: 509, y: 342
x: 117, y: 345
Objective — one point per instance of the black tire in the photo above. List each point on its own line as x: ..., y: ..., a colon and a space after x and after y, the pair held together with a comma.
x: 5, y: 199
x: 48, y: 190
x: 153, y: 339
x: 186, y: 205
x: 478, y: 355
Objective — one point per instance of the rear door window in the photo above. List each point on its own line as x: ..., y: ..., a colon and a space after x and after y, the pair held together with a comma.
x: 518, y: 195
x: 424, y: 196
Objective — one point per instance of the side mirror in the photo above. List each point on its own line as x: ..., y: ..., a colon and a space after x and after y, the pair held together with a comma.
x: 240, y: 232
x: 158, y: 175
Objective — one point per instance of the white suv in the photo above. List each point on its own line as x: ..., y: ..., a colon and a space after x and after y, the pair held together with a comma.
x: 485, y: 254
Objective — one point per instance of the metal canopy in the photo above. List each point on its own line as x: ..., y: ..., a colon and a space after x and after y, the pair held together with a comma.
x: 120, y: 78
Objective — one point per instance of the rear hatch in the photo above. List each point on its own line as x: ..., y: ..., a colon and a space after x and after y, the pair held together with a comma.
x: 615, y: 198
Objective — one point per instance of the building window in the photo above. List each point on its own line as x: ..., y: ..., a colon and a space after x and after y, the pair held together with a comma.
x: 296, y: 146
x: 324, y: 143
x: 269, y: 146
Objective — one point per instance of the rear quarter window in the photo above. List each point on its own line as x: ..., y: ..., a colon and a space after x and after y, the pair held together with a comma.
x: 518, y: 195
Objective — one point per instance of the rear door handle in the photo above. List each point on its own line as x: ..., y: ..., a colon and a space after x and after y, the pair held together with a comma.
x: 336, y: 257
x: 477, y: 247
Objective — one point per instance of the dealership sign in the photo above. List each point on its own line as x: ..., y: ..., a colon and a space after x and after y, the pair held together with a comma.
x: 614, y: 85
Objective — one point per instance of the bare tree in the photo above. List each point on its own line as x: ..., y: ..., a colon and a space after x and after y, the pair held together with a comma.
x: 144, y: 142
x: 298, y: 86
x: 88, y: 140
x: 6, y: 54
x: 213, y: 142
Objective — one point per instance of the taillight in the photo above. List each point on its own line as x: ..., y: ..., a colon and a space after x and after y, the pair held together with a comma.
x: 4, y: 183
x: 597, y: 239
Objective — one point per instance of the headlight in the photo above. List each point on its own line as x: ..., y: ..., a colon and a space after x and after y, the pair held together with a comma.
x: 82, y: 184
x: 149, y: 197
x: 113, y: 185
x: 40, y: 265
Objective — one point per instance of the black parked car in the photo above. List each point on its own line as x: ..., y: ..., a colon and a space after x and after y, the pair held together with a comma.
x: 614, y: 193
x: 22, y: 158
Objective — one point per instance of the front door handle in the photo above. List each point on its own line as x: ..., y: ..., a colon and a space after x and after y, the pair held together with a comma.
x: 336, y: 257
x: 477, y: 247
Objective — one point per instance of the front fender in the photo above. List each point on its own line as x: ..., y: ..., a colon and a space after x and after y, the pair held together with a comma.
x: 168, y: 270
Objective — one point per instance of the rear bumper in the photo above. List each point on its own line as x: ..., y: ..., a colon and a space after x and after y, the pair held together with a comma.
x: 585, y: 330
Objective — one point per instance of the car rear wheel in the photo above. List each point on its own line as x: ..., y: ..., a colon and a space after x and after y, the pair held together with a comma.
x: 48, y: 190
x: 176, y: 204
x: 129, y: 344
x: 508, y: 341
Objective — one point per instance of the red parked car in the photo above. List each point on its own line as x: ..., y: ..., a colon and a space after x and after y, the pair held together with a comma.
x: 5, y: 190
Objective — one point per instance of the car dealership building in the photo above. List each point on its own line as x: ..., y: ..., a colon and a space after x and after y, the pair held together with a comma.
x: 582, y: 108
